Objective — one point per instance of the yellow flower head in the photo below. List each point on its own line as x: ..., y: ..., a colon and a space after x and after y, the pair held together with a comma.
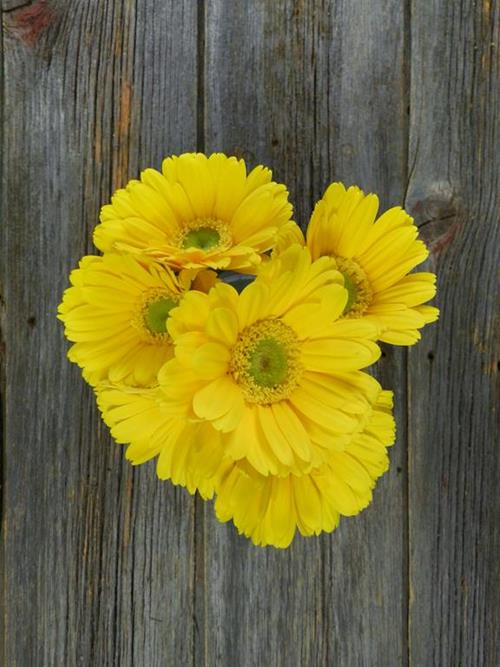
x: 269, y: 509
x: 199, y: 212
x: 375, y: 258
x: 269, y: 369
x: 115, y: 313
x: 189, y: 453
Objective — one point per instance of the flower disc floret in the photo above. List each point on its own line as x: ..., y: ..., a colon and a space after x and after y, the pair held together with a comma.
x: 205, y: 235
x: 152, y: 312
x: 357, y: 286
x: 265, y: 362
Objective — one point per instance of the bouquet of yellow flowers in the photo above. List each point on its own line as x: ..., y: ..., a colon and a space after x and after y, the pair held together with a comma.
x: 259, y: 396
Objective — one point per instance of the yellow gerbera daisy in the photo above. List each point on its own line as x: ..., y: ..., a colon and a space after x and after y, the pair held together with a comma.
x: 268, y: 370
x: 269, y: 509
x: 199, y: 212
x: 115, y: 313
x: 375, y: 258
x: 189, y: 453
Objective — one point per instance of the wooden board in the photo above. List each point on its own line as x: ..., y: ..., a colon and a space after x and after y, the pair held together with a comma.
x: 290, y: 102
x: 453, y: 443
x: 98, y: 558
x: 103, y: 564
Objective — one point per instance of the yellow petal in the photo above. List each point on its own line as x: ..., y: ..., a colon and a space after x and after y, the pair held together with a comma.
x: 309, y: 505
x: 353, y: 238
x: 293, y: 429
x: 323, y: 414
x: 332, y: 355
x: 211, y: 360
x: 412, y: 290
x: 222, y: 325
x: 429, y: 313
x: 279, y: 444
x: 252, y: 304
x: 217, y: 398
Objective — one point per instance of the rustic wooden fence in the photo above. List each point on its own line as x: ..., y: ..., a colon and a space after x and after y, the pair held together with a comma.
x: 102, y: 563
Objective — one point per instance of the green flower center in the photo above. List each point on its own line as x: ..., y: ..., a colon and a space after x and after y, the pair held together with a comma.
x: 204, y: 234
x: 265, y: 361
x: 352, y: 292
x: 156, y: 314
x: 203, y: 238
x: 268, y: 363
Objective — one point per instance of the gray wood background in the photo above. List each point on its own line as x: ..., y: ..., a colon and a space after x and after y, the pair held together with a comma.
x: 103, y: 564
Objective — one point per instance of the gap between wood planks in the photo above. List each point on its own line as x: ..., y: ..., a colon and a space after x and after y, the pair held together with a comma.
x: 199, y: 578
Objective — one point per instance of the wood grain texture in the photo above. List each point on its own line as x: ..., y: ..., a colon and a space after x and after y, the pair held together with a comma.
x: 98, y: 561
x: 317, y: 92
x: 454, y: 463
x: 101, y: 563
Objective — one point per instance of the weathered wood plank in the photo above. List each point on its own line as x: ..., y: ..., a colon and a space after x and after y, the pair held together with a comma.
x: 98, y: 563
x: 316, y: 91
x: 102, y: 564
x: 454, y: 463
